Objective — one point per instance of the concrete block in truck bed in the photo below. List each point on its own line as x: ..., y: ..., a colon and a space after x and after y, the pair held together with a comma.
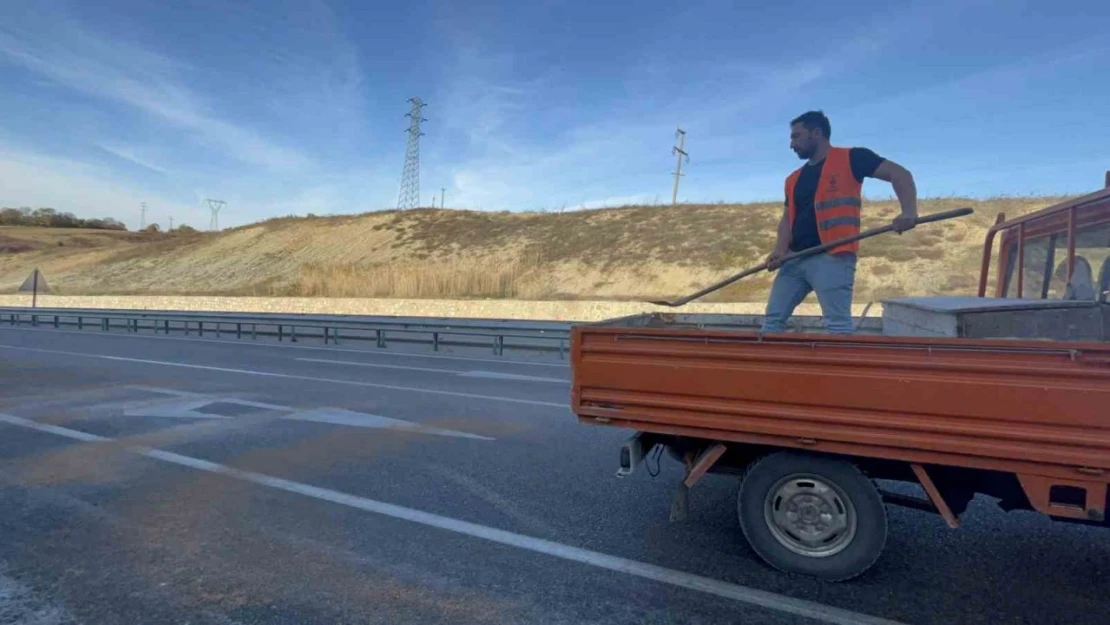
x: 981, y: 317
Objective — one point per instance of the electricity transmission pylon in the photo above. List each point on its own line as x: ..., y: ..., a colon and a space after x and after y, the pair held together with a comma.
x: 409, y: 197
x: 679, y: 150
x: 215, y: 205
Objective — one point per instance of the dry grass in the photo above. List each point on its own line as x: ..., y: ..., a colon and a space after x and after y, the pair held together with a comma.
x: 622, y: 253
x: 408, y: 280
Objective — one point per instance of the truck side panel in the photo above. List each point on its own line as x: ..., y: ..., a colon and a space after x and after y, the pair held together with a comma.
x: 1025, y: 406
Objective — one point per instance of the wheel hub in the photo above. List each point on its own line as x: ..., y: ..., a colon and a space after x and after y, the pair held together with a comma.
x: 810, y: 516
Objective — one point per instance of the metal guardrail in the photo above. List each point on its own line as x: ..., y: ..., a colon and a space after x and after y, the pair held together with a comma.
x: 546, y: 336
x: 498, y: 334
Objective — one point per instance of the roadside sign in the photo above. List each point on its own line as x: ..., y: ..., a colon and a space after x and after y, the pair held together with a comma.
x: 34, y: 284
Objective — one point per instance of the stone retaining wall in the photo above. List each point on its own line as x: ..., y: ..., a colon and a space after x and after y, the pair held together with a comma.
x: 487, y: 309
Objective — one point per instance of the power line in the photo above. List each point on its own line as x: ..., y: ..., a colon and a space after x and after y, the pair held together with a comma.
x: 215, y: 206
x: 409, y: 197
x: 680, y: 134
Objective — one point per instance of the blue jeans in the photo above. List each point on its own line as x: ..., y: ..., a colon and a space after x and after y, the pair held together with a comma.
x: 831, y: 276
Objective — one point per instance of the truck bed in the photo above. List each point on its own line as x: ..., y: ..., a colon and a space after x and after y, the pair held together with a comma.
x: 1031, y: 407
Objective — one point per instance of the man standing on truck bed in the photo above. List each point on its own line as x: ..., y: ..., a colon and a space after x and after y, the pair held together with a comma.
x: 823, y: 201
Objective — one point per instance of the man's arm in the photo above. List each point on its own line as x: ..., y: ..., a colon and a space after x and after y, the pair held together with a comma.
x: 902, y: 180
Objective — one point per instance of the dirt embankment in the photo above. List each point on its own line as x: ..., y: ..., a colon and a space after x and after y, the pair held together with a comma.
x: 621, y: 254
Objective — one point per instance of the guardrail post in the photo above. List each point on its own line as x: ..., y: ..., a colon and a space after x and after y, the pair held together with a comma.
x: 34, y: 320
x: 381, y: 338
x: 167, y: 326
x: 279, y: 333
x: 200, y: 328
x: 292, y: 334
x: 562, y: 349
x: 185, y: 325
x: 80, y: 323
x: 253, y: 334
x: 435, y: 341
x: 218, y: 324
x: 335, y: 336
x: 499, y: 345
x: 55, y: 321
x: 325, y: 335
x: 238, y: 330
x: 104, y: 324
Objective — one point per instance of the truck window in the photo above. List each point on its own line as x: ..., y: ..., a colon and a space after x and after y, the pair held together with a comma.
x: 1038, y: 265
x: 1093, y: 246
x: 1044, y: 270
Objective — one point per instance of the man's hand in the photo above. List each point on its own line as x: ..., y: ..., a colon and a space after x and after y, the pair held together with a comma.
x: 774, y: 261
x: 904, y: 222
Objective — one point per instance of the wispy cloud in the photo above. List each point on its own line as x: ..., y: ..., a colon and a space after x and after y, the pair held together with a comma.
x: 133, y: 154
x: 55, y: 46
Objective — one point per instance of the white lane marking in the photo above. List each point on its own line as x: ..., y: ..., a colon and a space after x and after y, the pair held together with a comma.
x: 173, y: 409
x: 376, y: 365
x: 76, y: 435
x: 188, y: 405
x: 494, y: 375
x: 466, y: 374
x: 340, y: 416
x: 163, y: 391
x: 245, y: 342
x: 268, y: 374
x: 690, y: 581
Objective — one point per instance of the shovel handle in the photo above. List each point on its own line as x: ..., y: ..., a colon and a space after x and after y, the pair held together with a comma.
x: 958, y: 212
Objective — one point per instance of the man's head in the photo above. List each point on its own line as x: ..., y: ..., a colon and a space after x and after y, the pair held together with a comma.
x: 809, y: 132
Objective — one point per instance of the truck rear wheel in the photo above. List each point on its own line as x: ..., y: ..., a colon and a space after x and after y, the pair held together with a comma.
x: 812, y: 515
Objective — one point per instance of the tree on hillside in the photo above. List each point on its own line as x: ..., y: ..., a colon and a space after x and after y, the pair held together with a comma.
x: 10, y: 216
x: 46, y: 217
x: 153, y: 228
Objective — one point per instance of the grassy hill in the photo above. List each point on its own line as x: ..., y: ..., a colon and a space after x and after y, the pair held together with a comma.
x: 619, y: 253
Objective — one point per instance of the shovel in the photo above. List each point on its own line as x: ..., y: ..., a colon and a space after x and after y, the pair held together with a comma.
x: 959, y: 212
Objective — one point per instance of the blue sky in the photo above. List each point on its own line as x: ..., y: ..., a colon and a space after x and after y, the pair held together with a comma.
x: 289, y: 107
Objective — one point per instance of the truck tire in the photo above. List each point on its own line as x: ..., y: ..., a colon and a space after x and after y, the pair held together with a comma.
x: 812, y: 515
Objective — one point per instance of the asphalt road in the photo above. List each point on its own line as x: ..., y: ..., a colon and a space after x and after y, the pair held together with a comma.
x: 173, y: 480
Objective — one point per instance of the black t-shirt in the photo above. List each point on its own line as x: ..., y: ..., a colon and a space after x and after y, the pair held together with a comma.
x: 804, y: 233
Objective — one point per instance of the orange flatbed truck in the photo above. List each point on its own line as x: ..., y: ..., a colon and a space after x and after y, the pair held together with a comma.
x: 1005, y: 396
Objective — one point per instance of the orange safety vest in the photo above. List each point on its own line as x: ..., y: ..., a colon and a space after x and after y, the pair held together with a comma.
x: 837, y: 203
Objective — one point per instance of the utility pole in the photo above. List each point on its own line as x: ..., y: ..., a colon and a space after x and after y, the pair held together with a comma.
x: 442, y: 191
x: 409, y: 197
x: 171, y: 223
x: 142, y: 215
x: 215, y: 206
x: 680, y: 134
